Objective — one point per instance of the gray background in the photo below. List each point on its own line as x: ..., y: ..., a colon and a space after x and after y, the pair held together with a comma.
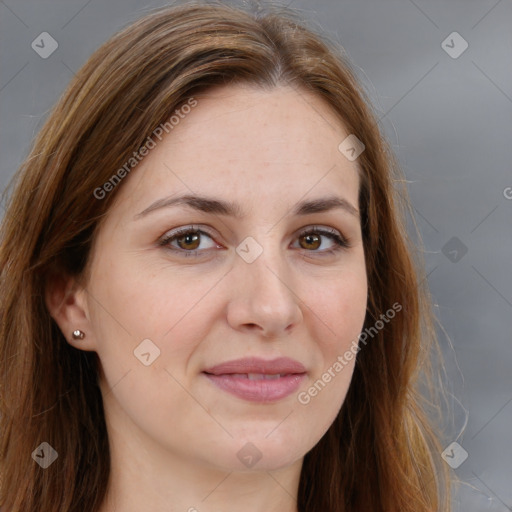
x: 449, y: 120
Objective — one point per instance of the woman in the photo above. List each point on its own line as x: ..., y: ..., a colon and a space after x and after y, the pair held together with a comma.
x: 208, y: 296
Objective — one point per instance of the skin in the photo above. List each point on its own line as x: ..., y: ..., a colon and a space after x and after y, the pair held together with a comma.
x: 174, y: 436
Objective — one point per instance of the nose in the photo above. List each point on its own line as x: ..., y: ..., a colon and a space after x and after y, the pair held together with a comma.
x: 263, y: 298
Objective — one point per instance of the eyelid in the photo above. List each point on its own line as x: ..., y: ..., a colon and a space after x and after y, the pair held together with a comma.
x: 320, y: 229
x: 187, y: 229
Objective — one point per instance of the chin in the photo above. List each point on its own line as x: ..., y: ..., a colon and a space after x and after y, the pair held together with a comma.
x: 265, y: 452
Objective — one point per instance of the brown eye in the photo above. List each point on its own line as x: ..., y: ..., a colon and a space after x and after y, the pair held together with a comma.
x: 321, y: 241
x: 189, y: 241
x: 310, y: 241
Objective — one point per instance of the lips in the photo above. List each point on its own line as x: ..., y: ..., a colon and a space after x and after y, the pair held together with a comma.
x: 258, y: 380
x: 255, y: 365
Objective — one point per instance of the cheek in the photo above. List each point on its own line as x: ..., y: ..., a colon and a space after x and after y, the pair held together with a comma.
x: 172, y: 310
x: 339, y: 309
x: 338, y: 314
x: 147, y: 302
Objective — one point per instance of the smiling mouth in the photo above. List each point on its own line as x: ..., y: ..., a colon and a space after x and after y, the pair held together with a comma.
x: 256, y: 379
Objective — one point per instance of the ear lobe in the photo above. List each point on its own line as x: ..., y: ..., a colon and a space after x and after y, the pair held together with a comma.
x: 64, y: 299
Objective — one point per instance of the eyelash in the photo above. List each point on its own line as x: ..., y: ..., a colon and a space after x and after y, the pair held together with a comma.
x: 341, y: 242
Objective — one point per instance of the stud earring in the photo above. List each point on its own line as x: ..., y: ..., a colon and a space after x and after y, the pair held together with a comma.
x: 78, y: 334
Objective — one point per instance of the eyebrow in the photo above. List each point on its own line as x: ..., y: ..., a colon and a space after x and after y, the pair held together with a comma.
x: 219, y: 207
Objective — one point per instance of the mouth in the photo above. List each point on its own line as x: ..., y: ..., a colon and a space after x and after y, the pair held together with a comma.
x: 258, y: 380
x: 257, y: 376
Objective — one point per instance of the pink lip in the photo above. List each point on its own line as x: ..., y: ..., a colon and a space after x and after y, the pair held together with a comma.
x: 257, y: 365
x: 227, y: 377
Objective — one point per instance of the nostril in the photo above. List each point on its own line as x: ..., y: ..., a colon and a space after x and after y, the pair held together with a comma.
x: 251, y: 326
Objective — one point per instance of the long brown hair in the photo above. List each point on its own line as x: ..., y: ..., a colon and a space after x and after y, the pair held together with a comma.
x: 382, y: 452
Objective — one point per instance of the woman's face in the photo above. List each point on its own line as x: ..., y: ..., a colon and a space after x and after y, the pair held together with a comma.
x: 258, y: 276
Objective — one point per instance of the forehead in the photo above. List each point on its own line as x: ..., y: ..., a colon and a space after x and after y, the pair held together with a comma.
x: 247, y: 143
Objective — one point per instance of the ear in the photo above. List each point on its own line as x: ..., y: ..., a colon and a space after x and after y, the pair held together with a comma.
x: 67, y: 305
